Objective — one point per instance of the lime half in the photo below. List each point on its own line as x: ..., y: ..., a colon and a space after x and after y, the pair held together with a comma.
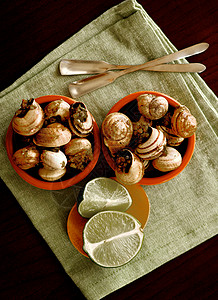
x: 112, y: 238
x: 101, y: 194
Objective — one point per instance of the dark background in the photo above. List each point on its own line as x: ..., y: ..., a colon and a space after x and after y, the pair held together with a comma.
x: 29, y: 31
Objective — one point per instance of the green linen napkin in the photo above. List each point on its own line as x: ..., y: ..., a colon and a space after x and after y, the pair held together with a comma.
x: 183, y: 211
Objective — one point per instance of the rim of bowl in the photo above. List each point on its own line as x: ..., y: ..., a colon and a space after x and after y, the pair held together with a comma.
x: 188, y: 153
x: 55, y: 185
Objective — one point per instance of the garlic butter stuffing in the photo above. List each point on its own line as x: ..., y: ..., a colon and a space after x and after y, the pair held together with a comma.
x: 58, y: 138
x: 139, y: 147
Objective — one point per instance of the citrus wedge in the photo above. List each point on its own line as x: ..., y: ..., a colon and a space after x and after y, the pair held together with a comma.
x: 101, y: 194
x: 112, y: 238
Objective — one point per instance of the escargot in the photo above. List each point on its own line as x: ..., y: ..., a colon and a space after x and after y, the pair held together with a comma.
x: 53, y: 159
x: 57, y: 108
x: 170, y: 160
x: 117, y: 130
x: 172, y: 139
x: 140, y: 131
x: 183, y: 122
x: 129, y: 168
x: 27, y: 157
x: 153, y: 146
x: 29, y: 118
x: 79, y: 153
x: 151, y: 106
x: 80, y: 120
x: 54, y: 165
x: 51, y: 174
x: 54, y: 135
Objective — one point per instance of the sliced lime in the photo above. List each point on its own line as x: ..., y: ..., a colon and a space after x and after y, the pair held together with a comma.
x: 112, y: 238
x: 102, y: 194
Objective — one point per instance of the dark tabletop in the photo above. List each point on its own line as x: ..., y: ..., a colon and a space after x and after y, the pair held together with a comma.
x: 30, y: 30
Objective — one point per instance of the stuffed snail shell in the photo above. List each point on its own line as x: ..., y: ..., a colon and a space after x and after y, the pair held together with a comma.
x: 80, y: 120
x: 129, y: 168
x: 79, y: 153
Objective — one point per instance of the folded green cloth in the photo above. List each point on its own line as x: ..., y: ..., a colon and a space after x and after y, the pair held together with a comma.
x: 183, y: 211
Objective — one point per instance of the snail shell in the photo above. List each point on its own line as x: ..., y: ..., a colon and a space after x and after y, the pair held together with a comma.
x: 26, y: 158
x: 28, y: 119
x: 80, y: 120
x: 183, y: 122
x: 172, y: 140
x: 117, y: 130
x: 53, y: 160
x: 76, y: 145
x: 151, y: 106
x: 51, y: 175
x: 58, y: 108
x: 129, y: 168
x: 170, y: 160
x: 153, y: 146
x: 54, y: 135
x: 79, y: 153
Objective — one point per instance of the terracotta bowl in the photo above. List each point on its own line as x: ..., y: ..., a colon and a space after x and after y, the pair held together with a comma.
x: 127, y: 105
x: 66, y: 180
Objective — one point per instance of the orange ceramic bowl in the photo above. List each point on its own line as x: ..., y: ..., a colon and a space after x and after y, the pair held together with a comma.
x: 60, y: 184
x: 126, y: 105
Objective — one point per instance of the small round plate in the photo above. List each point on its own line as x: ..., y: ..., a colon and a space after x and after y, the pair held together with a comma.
x: 139, y: 209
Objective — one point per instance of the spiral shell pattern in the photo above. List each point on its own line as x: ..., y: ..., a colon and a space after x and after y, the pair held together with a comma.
x: 151, y: 106
x: 117, y: 130
x: 54, y: 135
x: 153, y: 146
x: 28, y: 119
x: 183, y: 122
x: 80, y: 120
x: 170, y: 160
x: 172, y: 140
